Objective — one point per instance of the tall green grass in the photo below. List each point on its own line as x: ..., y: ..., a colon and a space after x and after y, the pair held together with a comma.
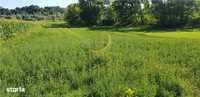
x: 60, y: 62
x: 9, y: 28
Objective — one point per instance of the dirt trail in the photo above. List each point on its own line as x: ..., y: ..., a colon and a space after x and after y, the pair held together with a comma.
x: 109, y: 42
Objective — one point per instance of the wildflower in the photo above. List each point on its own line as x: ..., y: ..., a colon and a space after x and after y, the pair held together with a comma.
x: 129, y: 92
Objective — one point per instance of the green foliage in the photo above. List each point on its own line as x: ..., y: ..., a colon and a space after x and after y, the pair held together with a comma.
x: 90, y: 11
x: 172, y: 13
x: 195, y: 21
x: 72, y: 15
x: 33, y: 12
x: 126, y: 11
x: 4, y: 11
x: 169, y: 13
x: 107, y: 16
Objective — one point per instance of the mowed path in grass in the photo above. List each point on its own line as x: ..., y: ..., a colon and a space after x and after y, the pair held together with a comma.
x: 103, y: 40
x: 83, y: 61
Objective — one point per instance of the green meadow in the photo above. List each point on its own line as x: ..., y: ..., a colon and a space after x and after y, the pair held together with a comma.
x: 50, y: 60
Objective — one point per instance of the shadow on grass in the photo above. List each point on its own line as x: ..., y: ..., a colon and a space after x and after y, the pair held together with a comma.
x: 61, y: 25
x: 147, y: 29
x: 57, y: 25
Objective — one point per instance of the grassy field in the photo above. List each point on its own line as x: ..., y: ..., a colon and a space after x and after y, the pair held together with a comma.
x: 54, y: 61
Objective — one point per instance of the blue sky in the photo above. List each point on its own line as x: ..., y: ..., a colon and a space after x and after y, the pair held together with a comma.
x: 19, y: 3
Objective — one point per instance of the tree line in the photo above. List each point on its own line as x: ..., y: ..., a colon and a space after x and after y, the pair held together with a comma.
x: 32, y: 12
x: 167, y: 13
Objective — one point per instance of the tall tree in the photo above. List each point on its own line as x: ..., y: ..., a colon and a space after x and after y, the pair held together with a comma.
x: 90, y: 10
x: 196, y: 14
x: 145, y: 14
x: 173, y: 13
x: 127, y: 11
x: 72, y: 15
x: 107, y: 14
